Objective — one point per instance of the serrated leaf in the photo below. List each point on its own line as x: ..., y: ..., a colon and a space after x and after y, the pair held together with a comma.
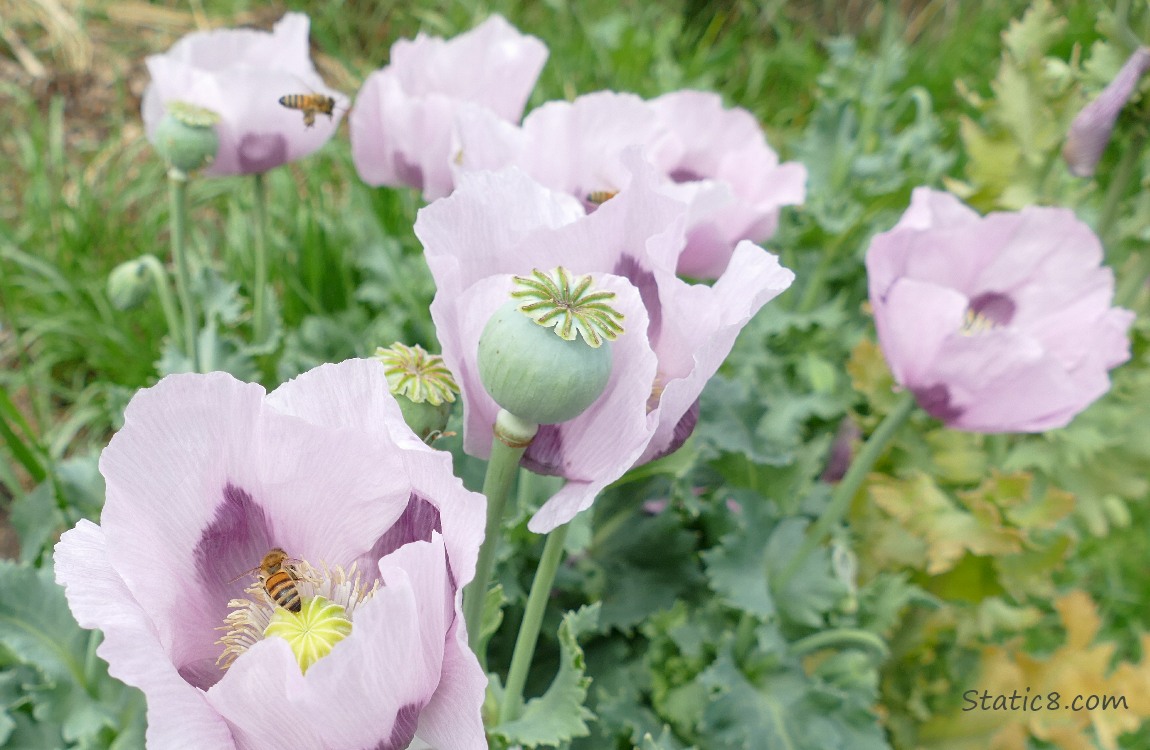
x: 813, y: 590
x: 559, y: 715
x: 648, y: 566
x: 781, y: 712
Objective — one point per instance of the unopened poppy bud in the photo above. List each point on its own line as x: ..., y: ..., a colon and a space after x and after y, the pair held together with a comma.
x: 129, y: 284
x: 422, y: 385
x: 186, y: 136
x: 1092, y: 127
x: 544, y: 356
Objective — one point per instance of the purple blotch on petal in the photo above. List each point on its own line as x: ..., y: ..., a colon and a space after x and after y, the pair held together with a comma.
x: 644, y: 281
x: 682, y: 174
x: 683, y: 429
x: 935, y: 401
x: 545, y: 454
x: 259, y: 152
x: 415, y: 524
x: 409, y: 173
x: 234, y: 541
x: 996, y: 307
x: 403, y: 731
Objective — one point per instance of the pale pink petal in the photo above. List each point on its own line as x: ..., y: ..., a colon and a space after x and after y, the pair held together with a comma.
x: 450, y: 718
x: 577, y: 147
x: 403, y: 128
x: 700, y: 326
x: 913, y: 321
x: 178, y: 714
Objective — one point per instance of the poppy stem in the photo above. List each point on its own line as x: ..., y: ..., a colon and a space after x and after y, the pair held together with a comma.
x: 164, y: 292
x: 871, y: 451
x: 512, y: 436
x: 528, y: 636
x: 178, y: 192
x: 259, y: 289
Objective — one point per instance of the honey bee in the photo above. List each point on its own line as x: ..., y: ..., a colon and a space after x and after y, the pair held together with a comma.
x: 599, y: 197
x: 277, y: 580
x: 310, y: 104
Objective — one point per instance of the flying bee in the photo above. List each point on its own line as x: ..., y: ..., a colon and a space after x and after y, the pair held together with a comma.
x: 277, y: 579
x: 599, y: 197
x: 310, y: 104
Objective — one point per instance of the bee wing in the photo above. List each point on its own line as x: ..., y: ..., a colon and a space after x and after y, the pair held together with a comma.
x: 248, y: 572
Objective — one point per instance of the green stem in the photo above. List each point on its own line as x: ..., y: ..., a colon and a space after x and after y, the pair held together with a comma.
x: 512, y: 436
x: 259, y: 290
x: 846, y: 637
x: 178, y: 191
x: 532, y: 621
x: 845, y: 492
x: 1119, y: 183
x: 164, y: 292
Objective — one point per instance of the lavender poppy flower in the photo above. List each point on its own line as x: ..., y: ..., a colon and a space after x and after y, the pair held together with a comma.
x: 715, y: 159
x: 240, y: 74
x: 206, y: 476
x: 496, y: 225
x: 1000, y: 323
x: 725, y: 146
x: 402, y: 126
x: 1091, y: 129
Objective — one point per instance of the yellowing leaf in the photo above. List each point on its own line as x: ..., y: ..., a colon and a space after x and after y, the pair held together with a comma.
x: 949, y: 531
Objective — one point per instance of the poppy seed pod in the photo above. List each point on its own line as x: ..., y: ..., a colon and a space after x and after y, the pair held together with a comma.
x: 185, y: 137
x: 542, y: 375
x: 423, y: 387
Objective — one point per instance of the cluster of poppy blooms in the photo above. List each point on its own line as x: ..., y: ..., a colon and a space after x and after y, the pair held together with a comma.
x: 1000, y: 323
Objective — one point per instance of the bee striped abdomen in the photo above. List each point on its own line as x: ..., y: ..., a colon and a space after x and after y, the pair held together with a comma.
x: 310, y: 105
x: 282, y: 590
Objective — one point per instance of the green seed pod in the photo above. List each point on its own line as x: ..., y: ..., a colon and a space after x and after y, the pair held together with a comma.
x: 186, y: 136
x: 536, y: 375
x: 129, y: 284
x: 422, y: 385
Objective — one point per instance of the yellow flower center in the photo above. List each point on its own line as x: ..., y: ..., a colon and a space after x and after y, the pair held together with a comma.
x: 313, y: 631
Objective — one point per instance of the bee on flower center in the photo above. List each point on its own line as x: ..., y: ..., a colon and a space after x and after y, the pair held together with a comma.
x: 310, y: 104
x: 277, y: 579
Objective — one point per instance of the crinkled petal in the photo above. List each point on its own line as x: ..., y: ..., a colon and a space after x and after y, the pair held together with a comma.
x: 700, y: 326
x: 493, y: 65
x: 403, y: 128
x: 178, y: 714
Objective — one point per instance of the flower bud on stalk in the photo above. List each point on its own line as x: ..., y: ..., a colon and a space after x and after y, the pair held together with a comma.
x: 422, y: 385
x: 129, y: 284
x: 549, y: 376
x: 186, y: 136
